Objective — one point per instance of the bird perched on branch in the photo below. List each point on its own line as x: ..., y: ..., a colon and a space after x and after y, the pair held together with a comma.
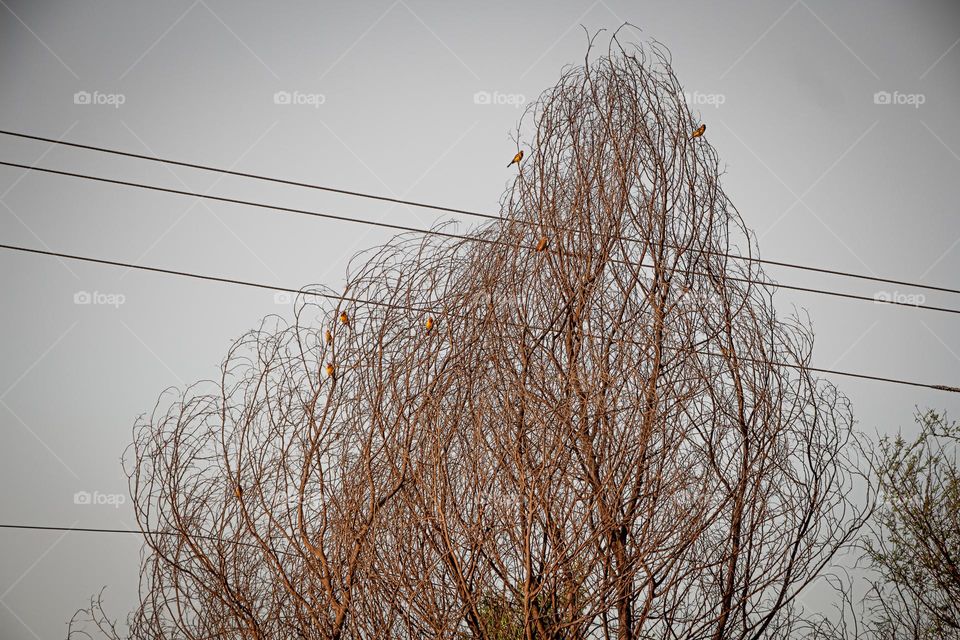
x: 699, y: 131
x: 517, y: 158
x: 429, y: 324
x: 344, y: 318
x: 331, y: 370
x: 328, y: 336
x: 542, y: 244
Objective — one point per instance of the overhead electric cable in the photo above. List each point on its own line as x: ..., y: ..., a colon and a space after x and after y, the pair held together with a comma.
x: 455, y: 210
x: 885, y: 299
x: 246, y: 283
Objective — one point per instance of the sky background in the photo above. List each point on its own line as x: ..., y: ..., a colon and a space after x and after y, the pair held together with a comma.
x: 822, y: 173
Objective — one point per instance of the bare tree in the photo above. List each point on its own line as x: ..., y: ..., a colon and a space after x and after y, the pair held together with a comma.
x: 581, y: 420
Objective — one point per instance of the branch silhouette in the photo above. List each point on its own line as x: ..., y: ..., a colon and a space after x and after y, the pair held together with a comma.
x: 575, y: 447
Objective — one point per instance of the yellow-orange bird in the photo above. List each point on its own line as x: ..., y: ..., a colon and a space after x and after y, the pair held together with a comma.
x: 699, y: 131
x: 542, y: 244
x: 429, y: 324
x: 344, y: 318
x: 517, y: 158
x: 237, y: 491
x: 331, y: 369
x: 328, y: 336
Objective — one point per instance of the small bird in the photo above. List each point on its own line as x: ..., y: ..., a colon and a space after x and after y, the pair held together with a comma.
x: 238, y: 491
x: 344, y: 318
x: 542, y: 244
x: 699, y: 131
x: 517, y: 158
x: 331, y: 369
x: 328, y: 336
x: 429, y: 324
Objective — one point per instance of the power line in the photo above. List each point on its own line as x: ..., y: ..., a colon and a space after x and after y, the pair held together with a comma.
x: 246, y: 283
x: 34, y: 527
x: 248, y: 203
x: 179, y: 534
x: 444, y: 234
x: 466, y: 212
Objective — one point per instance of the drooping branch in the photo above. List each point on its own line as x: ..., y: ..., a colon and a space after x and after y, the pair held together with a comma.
x: 582, y: 420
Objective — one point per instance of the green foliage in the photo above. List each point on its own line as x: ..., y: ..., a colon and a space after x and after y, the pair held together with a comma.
x: 916, y: 543
x: 502, y: 615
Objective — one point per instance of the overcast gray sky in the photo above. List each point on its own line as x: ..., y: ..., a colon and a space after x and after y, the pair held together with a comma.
x: 382, y: 99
